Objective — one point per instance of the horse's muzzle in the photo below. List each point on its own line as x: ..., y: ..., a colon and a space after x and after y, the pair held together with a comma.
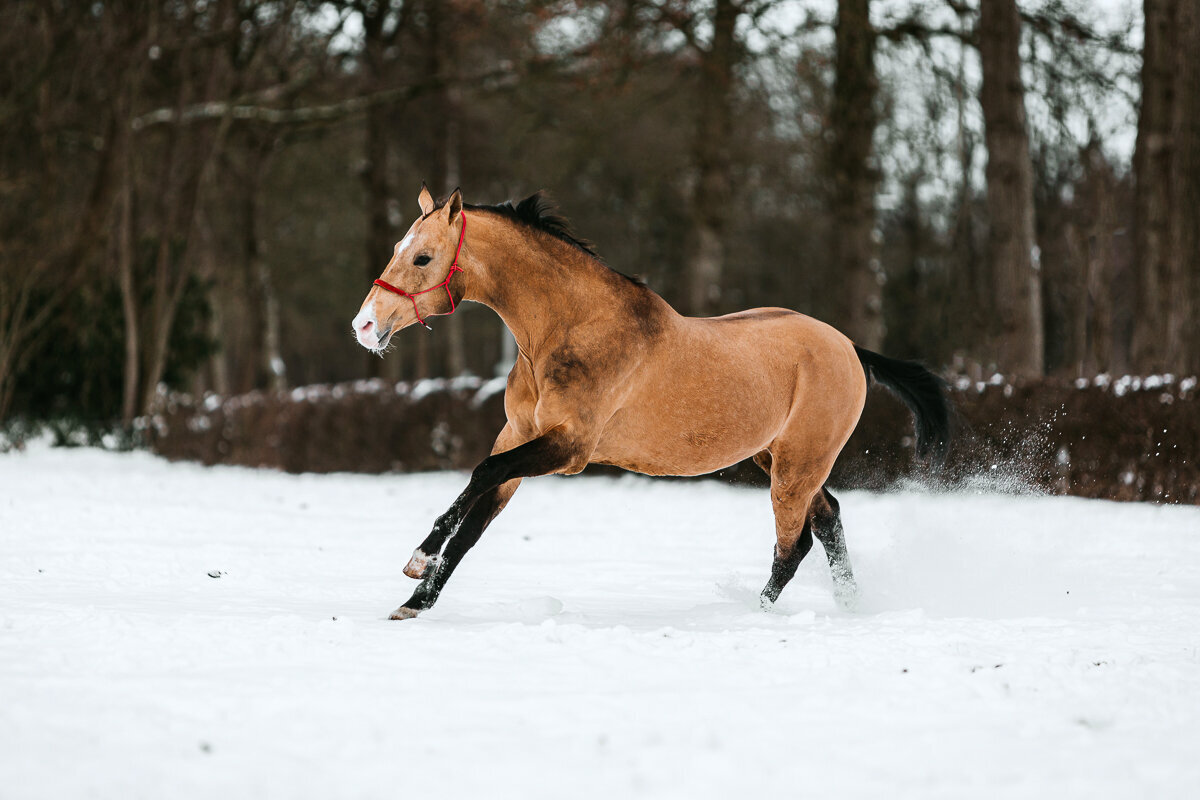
x: 384, y: 335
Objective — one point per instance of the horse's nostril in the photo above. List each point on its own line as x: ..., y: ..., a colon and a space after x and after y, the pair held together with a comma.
x: 366, y: 326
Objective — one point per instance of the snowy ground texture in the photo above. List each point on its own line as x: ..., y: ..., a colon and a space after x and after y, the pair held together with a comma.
x: 603, y: 640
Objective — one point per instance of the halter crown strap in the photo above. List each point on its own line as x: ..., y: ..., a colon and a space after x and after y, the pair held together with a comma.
x: 412, y: 296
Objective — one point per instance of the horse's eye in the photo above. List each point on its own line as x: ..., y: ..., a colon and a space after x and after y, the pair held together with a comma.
x: 421, y: 260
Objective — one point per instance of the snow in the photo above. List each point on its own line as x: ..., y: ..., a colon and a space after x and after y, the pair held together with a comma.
x: 490, y: 389
x: 601, y: 641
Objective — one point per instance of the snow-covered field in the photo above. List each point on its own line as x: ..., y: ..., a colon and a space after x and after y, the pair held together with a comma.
x: 603, y: 640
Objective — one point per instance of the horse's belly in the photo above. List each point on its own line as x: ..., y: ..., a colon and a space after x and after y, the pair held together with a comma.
x: 665, y: 462
x: 682, y: 433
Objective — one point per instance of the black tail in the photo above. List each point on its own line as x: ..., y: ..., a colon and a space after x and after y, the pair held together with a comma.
x: 923, y: 392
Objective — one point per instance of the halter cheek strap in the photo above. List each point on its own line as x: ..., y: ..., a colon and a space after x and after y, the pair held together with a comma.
x: 412, y: 296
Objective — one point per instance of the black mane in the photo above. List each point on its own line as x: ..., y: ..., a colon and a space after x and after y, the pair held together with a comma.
x: 539, y: 212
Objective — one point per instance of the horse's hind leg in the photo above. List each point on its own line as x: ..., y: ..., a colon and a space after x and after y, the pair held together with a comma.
x: 827, y: 527
x: 784, y: 565
x: 792, y: 492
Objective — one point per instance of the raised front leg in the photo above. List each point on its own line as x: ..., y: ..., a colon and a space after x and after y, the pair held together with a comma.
x: 536, y: 457
x: 485, y: 496
x: 427, y: 557
x: 440, y: 569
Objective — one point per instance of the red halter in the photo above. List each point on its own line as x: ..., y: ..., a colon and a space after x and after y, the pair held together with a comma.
x: 443, y: 285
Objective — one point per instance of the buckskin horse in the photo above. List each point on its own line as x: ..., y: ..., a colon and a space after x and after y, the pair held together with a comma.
x: 608, y: 373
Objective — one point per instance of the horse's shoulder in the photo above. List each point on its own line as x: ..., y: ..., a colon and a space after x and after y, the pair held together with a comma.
x: 569, y: 363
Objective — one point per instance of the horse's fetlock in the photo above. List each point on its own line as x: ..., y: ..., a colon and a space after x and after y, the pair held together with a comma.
x: 421, y: 564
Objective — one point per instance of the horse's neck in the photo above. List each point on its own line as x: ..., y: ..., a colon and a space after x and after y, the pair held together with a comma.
x: 537, y: 286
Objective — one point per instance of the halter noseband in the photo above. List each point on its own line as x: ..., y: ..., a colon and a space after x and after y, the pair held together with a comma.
x: 443, y: 285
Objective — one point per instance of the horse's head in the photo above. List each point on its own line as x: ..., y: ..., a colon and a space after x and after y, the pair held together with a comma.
x: 420, y: 261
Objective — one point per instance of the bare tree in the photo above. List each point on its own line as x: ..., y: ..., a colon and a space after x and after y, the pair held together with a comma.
x: 855, y: 178
x: 1152, y: 163
x: 443, y: 54
x: 1184, y: 328
x: 1095, y: 247
x: 1167, y: 189
x: 53, y: 205
x: 1019, y: 339
x: 382, y: 22
x: 712, y: 190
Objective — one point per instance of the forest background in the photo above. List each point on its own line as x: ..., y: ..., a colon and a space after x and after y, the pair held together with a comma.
x: 197, y: 194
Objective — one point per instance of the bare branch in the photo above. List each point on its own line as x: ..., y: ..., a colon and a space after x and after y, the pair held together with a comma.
x: 203, y: 112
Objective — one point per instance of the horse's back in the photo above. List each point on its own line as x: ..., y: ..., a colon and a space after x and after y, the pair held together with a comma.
x: 783, y: 341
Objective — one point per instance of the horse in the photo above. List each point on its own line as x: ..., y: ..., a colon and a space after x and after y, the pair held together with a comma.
x: 607, y: 372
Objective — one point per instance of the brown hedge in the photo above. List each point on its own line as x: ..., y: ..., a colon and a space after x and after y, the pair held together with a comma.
x: 1130, y: 439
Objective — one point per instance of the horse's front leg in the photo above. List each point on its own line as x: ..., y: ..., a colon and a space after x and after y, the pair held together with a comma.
x: 469, y: 532
x: 492, y: 484
x: 426, y: 557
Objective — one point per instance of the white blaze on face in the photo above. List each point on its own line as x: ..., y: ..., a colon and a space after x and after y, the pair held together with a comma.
x: 405, y: 242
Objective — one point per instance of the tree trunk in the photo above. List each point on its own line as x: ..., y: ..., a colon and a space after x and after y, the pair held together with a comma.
x: 1019, y: 340
x: 1167, y: 191
x: 1183, y: 350
x: 376, y: 162
x: 1152, y: 186
x: 272, y: 330
x: 219, y: 372
x: 972, y: 285
x: 712, y: 193
x: 258, y: 273
x: 379, y: 232
x: 126, y: 255
x: 853, y: 118
x: 448, y: 157
x: 173, y: 271
x: 456, y: 347
x: 1100, y: 251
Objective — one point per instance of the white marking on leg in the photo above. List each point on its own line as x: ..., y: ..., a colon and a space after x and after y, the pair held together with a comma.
x: 404, y: 613
x: 420, y: 562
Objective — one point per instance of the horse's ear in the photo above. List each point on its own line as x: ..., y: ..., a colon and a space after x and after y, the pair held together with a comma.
x: 425, y: 200
x: 454, y: 204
